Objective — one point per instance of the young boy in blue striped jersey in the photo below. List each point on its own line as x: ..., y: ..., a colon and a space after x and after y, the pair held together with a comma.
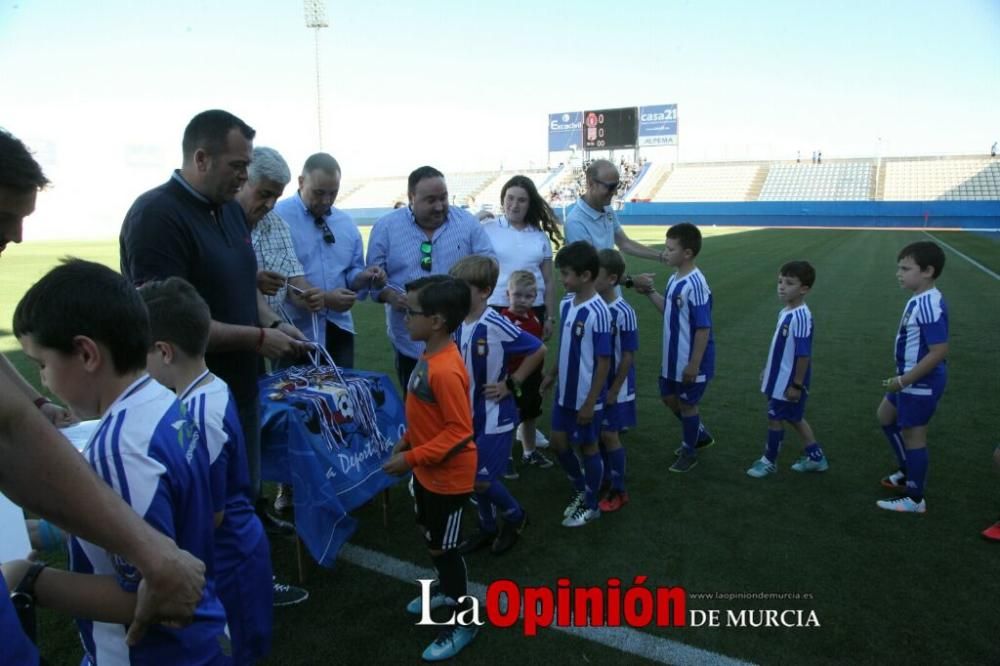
x: 688, y: 345
x: 786, y: 377
x: 582, y: 370
x: 913, y: 392
x: 488, y: 341
x: 619, y: 404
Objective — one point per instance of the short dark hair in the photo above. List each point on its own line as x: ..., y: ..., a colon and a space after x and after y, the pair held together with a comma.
x: 85, y: 298
x: 924, y: 254
x: 579, y: 257
x: 18, y: 169
x: 688, y: 235
x: 803, y: 271
x: 443, y: 295
x: 419, y: 174
x: 612, y: 261
x: 596, y: 165
x: 322, y: 161
x: 209, y: 130
x: 177, y: 314
x: 479, y: 270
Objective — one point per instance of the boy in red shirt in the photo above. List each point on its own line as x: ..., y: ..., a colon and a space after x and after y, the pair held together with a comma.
x: 521, y: 292
x: 438, y: 448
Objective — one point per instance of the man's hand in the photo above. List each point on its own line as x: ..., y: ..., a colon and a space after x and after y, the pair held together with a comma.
x: 278, y: 344
x: 58, y: 416
x: 374, y: 276
x: 269, y: 282
x: 313, y: 298
x: 690, y: 374
x: 340, y: 299
x: 396, y: 300
x: 643, y: 283
x: 396, y: 465
x: 292, y: 332
x: 168, y: 592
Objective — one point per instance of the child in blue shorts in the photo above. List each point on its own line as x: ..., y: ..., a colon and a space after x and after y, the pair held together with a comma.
x: 179, y: 322
x: 619, y: 404
x: 488, y: 342
x: 786, y: 377
x: 584, y: 362
x: 688, y: 345
x: 912, y: 394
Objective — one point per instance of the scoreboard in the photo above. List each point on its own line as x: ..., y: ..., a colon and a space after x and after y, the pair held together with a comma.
x: 611, y: 128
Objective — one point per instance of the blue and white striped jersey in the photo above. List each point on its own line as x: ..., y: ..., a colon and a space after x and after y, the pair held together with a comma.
x: 214, y: 412
x: 924, y: 323
x: 687, y: 306
x: 487, y: 346
x: 792, y: 338
x: 584, y: 335
x: 148, y: 450
x: 624, y: 338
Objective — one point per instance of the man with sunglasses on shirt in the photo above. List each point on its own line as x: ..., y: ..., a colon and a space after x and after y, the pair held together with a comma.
x: 593, y: 220
x: 425, y: 238
x: 329, y: 247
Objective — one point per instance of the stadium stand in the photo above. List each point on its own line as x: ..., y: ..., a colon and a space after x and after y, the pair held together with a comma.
x: 849, y: 180
x: 374, y: 193
x: 955, y: 179
x: 709, y: 182
x: 489, y: 197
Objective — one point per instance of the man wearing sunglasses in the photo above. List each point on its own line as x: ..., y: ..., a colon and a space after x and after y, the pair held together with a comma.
x: 329, y: 247
x: 425, y: 238
x: 593, y: 220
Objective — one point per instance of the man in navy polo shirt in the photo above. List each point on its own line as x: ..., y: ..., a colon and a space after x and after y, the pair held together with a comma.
x: 593, y: 220
x: 191, y: 227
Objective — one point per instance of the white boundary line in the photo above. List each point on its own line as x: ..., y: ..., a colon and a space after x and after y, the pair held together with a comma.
x: 628, y: 640
x: 966, y: 257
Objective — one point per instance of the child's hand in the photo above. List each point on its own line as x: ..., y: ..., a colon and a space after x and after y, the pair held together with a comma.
x: 547, y: 381
x: 497, y: 391
x: 893, y: 384
x: 585, y: 415
x: 401, y: 445
x: 643, y: 283
x: 793, y: 394
x: 690, y: 375
x: 396, y: 465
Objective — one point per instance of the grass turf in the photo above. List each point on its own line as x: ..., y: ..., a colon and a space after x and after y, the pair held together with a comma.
x: 884, y: 587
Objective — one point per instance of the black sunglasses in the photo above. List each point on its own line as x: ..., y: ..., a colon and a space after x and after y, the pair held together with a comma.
x: 612, y: 186
x: 328, y: 236
x: 425, y: 259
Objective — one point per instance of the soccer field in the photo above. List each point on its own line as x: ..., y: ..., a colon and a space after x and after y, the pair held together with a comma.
x: 884, y: 587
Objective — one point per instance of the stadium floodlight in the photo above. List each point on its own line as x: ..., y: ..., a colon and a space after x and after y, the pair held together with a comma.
x: 315, y: 13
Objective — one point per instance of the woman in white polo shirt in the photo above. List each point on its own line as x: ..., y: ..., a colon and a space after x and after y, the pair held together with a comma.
x: 523, y: 238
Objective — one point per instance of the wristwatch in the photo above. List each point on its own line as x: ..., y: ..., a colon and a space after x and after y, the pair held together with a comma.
x: 23, y: 596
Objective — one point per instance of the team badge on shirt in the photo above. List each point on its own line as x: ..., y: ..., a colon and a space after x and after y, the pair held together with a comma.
x: 578, y: 329
x: 481, y: 346
x: 784, y: 331
x: 679, y: 301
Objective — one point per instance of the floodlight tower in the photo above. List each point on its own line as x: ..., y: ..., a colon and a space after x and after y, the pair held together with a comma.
x: 315, y: 11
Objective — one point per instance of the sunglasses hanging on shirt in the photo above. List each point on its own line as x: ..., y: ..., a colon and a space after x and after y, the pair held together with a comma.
x: 328, y: 236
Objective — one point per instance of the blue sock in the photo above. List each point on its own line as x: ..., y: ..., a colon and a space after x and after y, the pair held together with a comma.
x: 487, y: 512
x: 594, y: 469
x: 616, y: 459
x: 505, y: 502
x: 895, y: 438
x: 815, y: 452
x: 774, y: 440
x: 691, y: 425
x: 606, y: 459
x: 703, y: 434
x: 571, y: 465
x: 916, y: 473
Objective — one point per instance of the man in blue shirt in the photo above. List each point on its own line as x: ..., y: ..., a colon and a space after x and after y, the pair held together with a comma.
x: 427, y: 237
x: 593, y: 220
x: 329, y: 246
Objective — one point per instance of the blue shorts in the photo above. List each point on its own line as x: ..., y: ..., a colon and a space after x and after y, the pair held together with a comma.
x: 564, y: 420
x: 247, y: 594
x: 619, y: 416
x: 784, y: 410
x: 690, y: 394
x: 492, y: 452
x: 915, y: 405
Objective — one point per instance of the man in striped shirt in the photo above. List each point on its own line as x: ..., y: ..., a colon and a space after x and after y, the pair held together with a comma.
x: 786, y: 377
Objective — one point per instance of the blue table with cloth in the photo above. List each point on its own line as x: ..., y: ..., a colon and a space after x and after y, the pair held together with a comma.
x: 327, y: 432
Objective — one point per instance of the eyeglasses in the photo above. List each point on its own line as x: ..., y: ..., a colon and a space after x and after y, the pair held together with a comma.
x: 328, y: 236
x: 410, y: 312
x: 425, y: 259
x: 612, y: 186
